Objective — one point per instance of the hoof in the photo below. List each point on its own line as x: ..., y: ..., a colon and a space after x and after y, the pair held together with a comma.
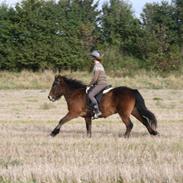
x: 54, y: 132
x: 126, y: 136
x: 88, y: 135
x: 155, y: 133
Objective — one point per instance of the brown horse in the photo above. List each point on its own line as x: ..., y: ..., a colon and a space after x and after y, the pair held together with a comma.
x: 122, y: 100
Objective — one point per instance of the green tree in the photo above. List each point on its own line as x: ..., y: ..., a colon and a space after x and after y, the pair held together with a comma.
x: 42, y: 34
x: 7, y: 37
x: 121, y: 29
x: 39, y: 34
x: 79, y: 29
x: 160, y: 22
x: 179, y: 18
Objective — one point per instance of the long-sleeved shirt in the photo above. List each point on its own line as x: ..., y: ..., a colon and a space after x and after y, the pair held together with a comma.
x: 99, y: 75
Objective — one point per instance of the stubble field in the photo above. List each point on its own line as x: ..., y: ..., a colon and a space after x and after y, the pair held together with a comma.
x: 29, y: 155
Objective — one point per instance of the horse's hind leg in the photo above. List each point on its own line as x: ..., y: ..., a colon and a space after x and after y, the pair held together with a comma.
x: 144, y: 121
x: 129, y: 125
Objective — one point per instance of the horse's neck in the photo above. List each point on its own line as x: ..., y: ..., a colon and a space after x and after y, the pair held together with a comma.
x: 70, y: 95
x: 67, y: 93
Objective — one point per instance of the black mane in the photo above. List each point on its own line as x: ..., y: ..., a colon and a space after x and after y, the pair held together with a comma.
x: 73, y: 83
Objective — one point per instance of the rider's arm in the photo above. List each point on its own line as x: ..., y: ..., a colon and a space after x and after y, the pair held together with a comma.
x: 95, y: 77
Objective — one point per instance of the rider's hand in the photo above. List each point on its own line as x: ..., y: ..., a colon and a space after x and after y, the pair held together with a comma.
x: 87, y: 89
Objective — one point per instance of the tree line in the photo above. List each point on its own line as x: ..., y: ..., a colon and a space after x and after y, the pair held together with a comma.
x: 39, y: 35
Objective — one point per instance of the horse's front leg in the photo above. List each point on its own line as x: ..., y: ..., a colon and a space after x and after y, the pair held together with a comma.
x: 88, y: 126
x: 65, y: 119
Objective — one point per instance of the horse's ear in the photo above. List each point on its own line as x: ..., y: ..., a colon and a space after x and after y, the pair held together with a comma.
x: 57, y: 76
x: 60, y: 79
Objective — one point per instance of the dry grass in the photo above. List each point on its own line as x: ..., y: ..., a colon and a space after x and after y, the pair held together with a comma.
x: 43, y: 80
x: 29, y: 155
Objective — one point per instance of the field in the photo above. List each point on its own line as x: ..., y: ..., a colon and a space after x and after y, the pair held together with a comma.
x: 29, y: 155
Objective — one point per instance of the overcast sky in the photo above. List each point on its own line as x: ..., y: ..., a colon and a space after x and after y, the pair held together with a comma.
x: 137, y: 5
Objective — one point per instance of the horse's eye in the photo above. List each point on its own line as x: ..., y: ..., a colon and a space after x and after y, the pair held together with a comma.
x: 56, y: 83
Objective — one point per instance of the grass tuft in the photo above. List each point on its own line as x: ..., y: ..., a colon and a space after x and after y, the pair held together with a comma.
x: 43, y: 80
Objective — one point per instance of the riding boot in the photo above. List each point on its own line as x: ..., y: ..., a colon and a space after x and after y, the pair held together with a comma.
x: 97, y: 111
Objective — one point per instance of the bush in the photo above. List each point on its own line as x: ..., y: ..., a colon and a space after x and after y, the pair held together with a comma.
x: 166, y: 62
x: 118, y: 64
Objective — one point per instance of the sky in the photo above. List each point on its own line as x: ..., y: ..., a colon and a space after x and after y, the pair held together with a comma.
x: 137, y: 5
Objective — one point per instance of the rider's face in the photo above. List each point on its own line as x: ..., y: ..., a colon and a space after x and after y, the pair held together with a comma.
x: 93, y: 59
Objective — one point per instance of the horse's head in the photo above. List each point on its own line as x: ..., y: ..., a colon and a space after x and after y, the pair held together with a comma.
x: 57, y: 89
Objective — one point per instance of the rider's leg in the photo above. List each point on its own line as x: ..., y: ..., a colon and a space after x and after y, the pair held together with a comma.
x: 92, y: 95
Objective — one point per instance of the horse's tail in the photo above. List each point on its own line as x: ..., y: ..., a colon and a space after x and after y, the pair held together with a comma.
x: 146, y: 115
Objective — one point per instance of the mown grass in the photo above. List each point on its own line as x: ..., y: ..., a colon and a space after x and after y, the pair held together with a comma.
x: 43, y: 80
x: 28, y: 154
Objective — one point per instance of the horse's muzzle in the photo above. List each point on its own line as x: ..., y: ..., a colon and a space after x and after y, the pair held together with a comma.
x: 51, y: 98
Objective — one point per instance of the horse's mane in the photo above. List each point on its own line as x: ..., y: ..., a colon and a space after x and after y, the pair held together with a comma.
x: 73, y: 83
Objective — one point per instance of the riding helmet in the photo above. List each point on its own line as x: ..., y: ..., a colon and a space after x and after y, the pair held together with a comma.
x: 96, y: 54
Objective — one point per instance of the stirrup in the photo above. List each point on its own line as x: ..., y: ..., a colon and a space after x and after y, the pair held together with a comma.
x: 97, y: 115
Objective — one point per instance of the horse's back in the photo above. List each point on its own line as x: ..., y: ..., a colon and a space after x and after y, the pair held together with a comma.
x: 118, y: 98
x: 123, y: 89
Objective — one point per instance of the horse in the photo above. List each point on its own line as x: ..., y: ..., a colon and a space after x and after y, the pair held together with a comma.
x: 122, y: 100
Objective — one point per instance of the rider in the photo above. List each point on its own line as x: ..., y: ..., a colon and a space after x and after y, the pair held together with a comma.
x: 98, y: 82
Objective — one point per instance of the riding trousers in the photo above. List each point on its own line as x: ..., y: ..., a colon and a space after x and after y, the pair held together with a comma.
x: 95, y: 91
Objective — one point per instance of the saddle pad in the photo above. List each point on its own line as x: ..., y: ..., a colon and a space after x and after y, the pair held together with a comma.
x: 107, y: 90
